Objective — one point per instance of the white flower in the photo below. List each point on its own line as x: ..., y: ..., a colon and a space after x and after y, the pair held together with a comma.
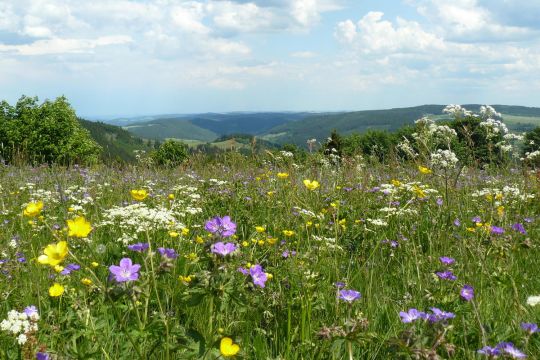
x: 444, y: 159
x: 21, y: 339
x: 533, y: 300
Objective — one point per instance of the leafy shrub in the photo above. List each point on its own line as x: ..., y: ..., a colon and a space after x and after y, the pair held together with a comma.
x: 171, y: 153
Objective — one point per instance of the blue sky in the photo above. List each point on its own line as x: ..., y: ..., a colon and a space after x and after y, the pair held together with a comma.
x: 134, y: 57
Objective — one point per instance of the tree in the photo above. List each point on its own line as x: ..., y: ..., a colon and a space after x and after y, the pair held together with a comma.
x: 44, y: 133
x: 171, y: 153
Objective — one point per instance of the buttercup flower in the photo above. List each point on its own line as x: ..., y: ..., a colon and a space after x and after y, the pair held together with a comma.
x: 54, y: 254
x: 33, y: 209
x: 227, y: 348
x: 424, y: 170
x: 79, y: 227
x: 139, y: 195
x: 283, y: 175
x: 311, y: 184
x: 56, y: 290
x: 127, y: 271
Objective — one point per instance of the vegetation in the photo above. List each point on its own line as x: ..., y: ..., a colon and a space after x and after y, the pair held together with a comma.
x: 171, y: 153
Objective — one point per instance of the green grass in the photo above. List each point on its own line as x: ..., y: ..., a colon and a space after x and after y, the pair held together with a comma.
x: 297, y: 315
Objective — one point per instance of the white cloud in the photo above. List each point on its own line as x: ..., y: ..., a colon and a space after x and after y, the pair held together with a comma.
x: 63, y: 46
x: 303, y: 54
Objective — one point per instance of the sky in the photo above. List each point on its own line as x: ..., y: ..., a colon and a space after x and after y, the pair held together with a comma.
x: 139, y: 57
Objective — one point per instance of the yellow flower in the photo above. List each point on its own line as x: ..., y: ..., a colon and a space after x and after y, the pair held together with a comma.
x: 270, y: 193
x: 58, y: 268
x: 185, y: 231
x: 192, y: 257
x: 171, y: 196
x: 79, y: 227
x: 199, y: 240
x: 228, y: 348
x: 86, y: 281
x: 271, y: 240
x: 56, y: 290
x: 33, y: 209
x: 311, y: 185
x: 245, y: 244
x: 282, y: 175
x: 139, y: 195
x: 54, y: 254
x: 309, y: 223
x: 471, y: 229
x: 260, y: 229
x: 94, y: 264
x: 288, y: 232
x: 269, y: 276
x: 500, y: 210
x: 424, y: 170
x: 260, y: 242
x: 185, y: 279
x: 173, y: 234
x: 396, y: 183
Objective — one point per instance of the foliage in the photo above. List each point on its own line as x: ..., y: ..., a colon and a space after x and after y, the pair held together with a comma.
x: 171, y: 153
x: 44, y: 133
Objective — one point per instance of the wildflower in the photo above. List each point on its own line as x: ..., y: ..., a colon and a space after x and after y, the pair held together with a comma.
x: 533, y: 300
x: 32, y: 312
x: 411, y: 315
x: 349, y: 295
x: 457, y: 222
x: 33, y: 209
x: 139, y: 247
x: 173, y: 234
x: 127, y: 271
x: 56, y: 290
x: 446, y: 275
x: 519, y: 228
x: 445, y: 260
x: 223, y: 227
x: 424, y: 170
x: 497, y: 230
x: 70, y: 268
x: 339, y: 284
x: 311, y: 184
x: 531, y: 328
x: 86, y: 281
x: 510, y: 349
x: 168, y: 253
x: 54, y: 254
x: 438, y: 315
x: 223, y: 249
x: 282, y: 175
x: 227, y: 348
x: 439, y: 201
x: 42, y: 356
x: 288, y: 233
x: 467, y: 292
x: 260, y: 229
x: 79, y: 227
x: 185, y: 279
x: 94, y: 264
x: 139, y: 195
x: 258, y: 275
x: 171, y: 196
x: 489, y: 351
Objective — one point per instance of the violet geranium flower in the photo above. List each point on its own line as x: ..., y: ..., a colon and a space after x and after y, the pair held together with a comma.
x: 127, y: 271
x: 531, y: 328
x: 467, y: 292
x: 349, y: 295
x: 446, y: 275
x: 445, y: 260
x: 258, y: 275
x: 168, y: 253
x: 139, y: 247
x: 223, y: 227
x: 411, y: 315
x: 223, y: 249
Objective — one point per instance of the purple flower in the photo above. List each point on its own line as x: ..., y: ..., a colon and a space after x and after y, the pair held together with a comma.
x: 339, y: 284
x: 223, y: 227
x: 31, y: 311
x: 42, y: 356
x: 446, y: 275
x: 258, y: 275
x: 467, y: 292
x: 439, y: 201
x: 288, y: 253
x: 349, y: 295
x: 69, y: 268
x: 445, y: 260
x: 531, y: 328
x: 168, y: 253
x: 139, y: 247
x: 439, y: 315
x: 411, y: 315
x: 490, y: 351
x: 457, y: 222
x: 127, y: 271
x: 497, y: 230
x: 519, y: 227
x: 243, y: 270
x: 510, y: 349
x: 476, y: 219
x: 223, y: 249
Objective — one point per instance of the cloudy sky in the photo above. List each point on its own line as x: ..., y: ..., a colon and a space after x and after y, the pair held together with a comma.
x: 131, y: 57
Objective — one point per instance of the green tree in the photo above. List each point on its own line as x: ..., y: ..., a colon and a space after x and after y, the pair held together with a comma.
x: 44, y: 133
x: 171, y: 153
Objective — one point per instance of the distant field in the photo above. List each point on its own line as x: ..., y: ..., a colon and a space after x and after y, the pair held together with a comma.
x: 512, y: 119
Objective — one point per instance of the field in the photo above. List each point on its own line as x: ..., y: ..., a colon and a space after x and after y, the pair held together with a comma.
x: 265, y: 258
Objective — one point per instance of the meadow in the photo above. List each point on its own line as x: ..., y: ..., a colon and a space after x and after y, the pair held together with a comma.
x: 263, y: 258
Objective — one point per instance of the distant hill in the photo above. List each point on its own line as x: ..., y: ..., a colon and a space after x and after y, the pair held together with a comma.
x: 117, y: 143
x: 297, y: 127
